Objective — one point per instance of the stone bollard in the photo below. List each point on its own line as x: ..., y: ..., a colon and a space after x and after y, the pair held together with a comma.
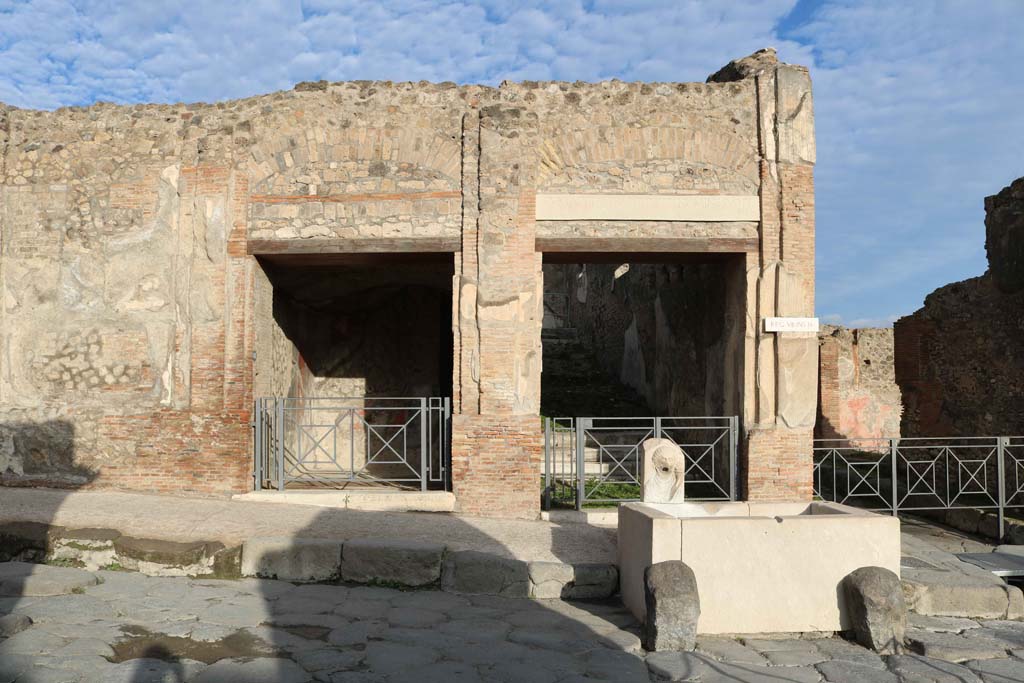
x: 874, y: 601
x: 673, y: 607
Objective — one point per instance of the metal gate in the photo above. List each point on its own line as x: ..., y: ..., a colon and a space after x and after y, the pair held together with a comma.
x: 596, y: 460
x: 335, y: 441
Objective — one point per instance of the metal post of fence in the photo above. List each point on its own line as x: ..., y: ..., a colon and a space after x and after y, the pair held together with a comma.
x: 1000, y: 459
x: 893, y: 452
x: 446, y: 444
x: 280, y: 443
x: 424, y: 444
x: 581, y: 444
x: 733, y: 444
x: 258, y: 442
x: 546, y: 497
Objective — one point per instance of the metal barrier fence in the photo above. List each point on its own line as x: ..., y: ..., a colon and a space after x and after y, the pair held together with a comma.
x: 596, y: 460
x: 330, y: 441
x: 919, y: 474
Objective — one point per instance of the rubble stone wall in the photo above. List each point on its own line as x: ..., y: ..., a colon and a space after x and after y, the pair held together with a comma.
x: 959, y: 359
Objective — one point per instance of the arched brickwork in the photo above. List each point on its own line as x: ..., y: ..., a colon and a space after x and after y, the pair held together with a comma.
x: 648, y: 160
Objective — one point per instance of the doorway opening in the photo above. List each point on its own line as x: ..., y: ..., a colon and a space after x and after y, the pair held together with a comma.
x: 354, y: 364
x: 639, y: 346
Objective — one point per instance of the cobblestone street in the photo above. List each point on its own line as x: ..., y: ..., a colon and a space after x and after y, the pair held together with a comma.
x: 130, y: 628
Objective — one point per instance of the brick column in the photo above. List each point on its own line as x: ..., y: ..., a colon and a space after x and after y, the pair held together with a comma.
x: 496, y: 432
x: 780, y: 419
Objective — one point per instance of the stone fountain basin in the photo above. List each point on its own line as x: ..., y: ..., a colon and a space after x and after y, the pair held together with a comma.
x: 760, y: 567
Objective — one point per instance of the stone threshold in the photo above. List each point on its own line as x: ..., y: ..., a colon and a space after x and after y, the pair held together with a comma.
x: 396, y: 563
x: 374, y: 500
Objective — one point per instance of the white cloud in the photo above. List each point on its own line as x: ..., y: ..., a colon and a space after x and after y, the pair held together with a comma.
x: 918, y: 119
x: 917, y: 105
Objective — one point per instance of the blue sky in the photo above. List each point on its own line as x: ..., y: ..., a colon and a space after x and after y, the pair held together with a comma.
x: 919, y: 104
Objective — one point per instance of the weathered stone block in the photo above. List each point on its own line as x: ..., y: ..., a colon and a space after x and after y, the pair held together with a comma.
x: 593, y: 581
x: 291, y: 559
x: 29, y: 541
x: 874, y: 600
x: 673, y: 606
x: 22, y: 579
x: 227, y: 563
x: 407, y: 562
x: 965, y: 519
x: 988, y: 526
x: 550, y: 579
x: 951, y: 594
x: 160, y: 552
x: 471, y: 571
x: 798, y: 380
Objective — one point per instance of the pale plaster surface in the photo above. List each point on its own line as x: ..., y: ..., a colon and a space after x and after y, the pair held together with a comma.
x: 760, y: 567
x: 647, y: 207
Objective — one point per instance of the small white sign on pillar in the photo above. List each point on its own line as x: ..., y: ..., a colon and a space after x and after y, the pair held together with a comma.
x: 791, y: 325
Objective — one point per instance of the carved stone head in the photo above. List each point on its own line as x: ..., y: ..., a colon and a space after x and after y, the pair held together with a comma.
x: 663, y: 470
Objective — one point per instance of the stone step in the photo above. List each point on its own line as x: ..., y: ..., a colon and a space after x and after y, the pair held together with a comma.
x: 367, y: 498
x: 592, y: 469
x: 388, y: 561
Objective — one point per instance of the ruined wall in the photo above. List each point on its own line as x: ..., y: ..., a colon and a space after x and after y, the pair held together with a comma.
x: 132, y: 301
x: 128, y: 292
x: 125, y: 295
x: 858, y: 397
x: 959, y: 359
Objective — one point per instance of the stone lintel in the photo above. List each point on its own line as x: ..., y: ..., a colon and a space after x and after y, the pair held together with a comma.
x: 647, y: 207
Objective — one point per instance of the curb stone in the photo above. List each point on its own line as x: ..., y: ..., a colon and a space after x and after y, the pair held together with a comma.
x: 405, y: 563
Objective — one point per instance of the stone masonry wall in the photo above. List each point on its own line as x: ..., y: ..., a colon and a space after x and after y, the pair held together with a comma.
x: 858, y: 397
x: 959, y: 359
x: 132, y: 300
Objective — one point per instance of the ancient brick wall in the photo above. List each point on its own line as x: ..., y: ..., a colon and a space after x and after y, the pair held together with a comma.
x: 133, y: 301
x: 858, y: 397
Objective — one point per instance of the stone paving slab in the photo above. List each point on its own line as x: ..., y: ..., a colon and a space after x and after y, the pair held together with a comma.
x: 185, y: 630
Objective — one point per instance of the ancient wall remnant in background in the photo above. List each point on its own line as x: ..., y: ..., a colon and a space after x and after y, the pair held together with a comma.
x: 960, y: 358
x: 858, y: 397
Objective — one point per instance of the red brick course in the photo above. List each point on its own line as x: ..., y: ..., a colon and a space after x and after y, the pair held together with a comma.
x: 496, y: 465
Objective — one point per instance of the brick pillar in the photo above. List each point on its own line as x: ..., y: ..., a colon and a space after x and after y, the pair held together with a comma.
x: 497, y: 441
x: 780, y: 419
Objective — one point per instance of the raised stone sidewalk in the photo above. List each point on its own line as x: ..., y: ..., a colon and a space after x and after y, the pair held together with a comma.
x: 162, y: 536
x: 159, y: 535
